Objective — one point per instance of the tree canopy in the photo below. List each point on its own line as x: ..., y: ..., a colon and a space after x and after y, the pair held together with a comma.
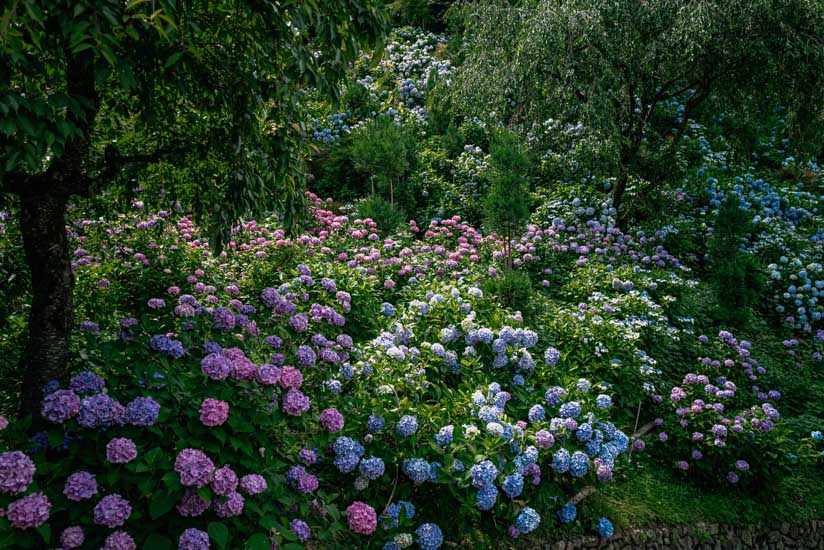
x: 615, y: 65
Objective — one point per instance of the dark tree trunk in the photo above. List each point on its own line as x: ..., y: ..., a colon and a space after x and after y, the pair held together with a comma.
x: 43, y: 226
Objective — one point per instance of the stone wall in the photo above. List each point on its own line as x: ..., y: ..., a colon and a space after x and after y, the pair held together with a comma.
x: 704, y: 537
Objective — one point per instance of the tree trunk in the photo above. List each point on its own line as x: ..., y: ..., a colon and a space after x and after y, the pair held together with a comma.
x: 43, y: 226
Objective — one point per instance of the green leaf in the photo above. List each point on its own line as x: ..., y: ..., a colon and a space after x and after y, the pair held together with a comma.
x: 258, y: 541
x: 218, y: 533
x: 56, y: 437
x: 173, y: 59
x: 157, y: 542
x: 45, y: 532
x: 161, y: 503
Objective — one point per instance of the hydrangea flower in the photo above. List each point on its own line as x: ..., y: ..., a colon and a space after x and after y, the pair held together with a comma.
x: 331, y: 420
x: 429, y: 536
x: 121, y: 450
x: 28, y: 512
x: 16, y: 472
x: 253, y: 484
x: 527, y: 520
x: 80, y: 486
x: 362, y: 518
x: 72, y: 537
x: 60, y: 405
x: 119, y: 540
x: 301, y: 529
x: 194, y: 467
x: 605, y: 529
x: 193, y: 539
x: 142, y: 411
x: 213, y: 412
x: 112, y: 511
x: 407, y: 425
x: 567, y: 513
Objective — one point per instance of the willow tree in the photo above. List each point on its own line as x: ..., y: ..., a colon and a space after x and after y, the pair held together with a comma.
x: 90, y: 89
x: 614, y: 65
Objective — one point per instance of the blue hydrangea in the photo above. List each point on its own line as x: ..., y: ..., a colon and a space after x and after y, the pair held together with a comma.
x: 499, y: 346
x: 458, y: 466
x: 430, y: 536
x: 142, y: 411
x: 578, y: 464
x: 486, y: 497
x: 605, y: 529
x: 375, y: 423
x: 621, y: 441
x: 518, y: 380
x: 489, y: 414
x: 592, y: 447
x: 483, y: 474
x: 560, y: 461
x: 536, y: 413
x: 528, y: 520
x: 583, y: 385
x: 500, y: 361
x: 388, y: 309
x: 346, y: 445
x: 346, y: 463
x: 555, y: 396
x: 552, y: 356
x: 567, y: 513
x: 407, y: 425
x: 485, y: 335
x: 445, y: 435
x: 603, y: 401
x: 417, y: 469
x: 571, y: 409
x: 394, y: 510
x: 372, y: 468
x: 333, y: 386
x: 584, y: 432
x: 816, y: 435
x: 513, y: 485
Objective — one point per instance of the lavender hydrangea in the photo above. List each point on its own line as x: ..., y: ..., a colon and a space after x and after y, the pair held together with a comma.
x: 112, y: 511
x: 16, y: 472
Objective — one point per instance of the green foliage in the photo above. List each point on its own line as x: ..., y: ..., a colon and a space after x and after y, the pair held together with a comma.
x: 735, y: 274
x: 506, y: 206
x: 513, y: 290
x: 383, y: 153
x: 388, y: 217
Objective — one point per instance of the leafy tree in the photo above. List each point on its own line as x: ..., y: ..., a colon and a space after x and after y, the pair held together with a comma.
x: 621, y: 66
x: 384, y: 152
x: 506, y: 205
x: 93, y: 89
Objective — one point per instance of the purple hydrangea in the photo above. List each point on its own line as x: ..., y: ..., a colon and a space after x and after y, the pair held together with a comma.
x: 298, y: 478
x: 224, y: 481
x: 16, y: 472
x: 119, y: 540
x: 305, y: 356
x: 362, y: 518
x: 112, y: 511
x: 121, y: 450
x: 29, y: 512
x: 231, y: 505
x: 193, y: 539
x: 194, y: 467
x: 86, y: 382
x: 216, y: 366
x: 80, y: 486
x: 60, y: 406
x: 167, y: 346
x: 72, y: 537
x: 253, y: 484
x: 224, y: 319
x: 100, y: 411
x: 192, y: 505
x: 295, y: 403
x: 301, y: 529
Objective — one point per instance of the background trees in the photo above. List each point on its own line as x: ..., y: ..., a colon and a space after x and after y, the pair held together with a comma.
x: 209, y: 91
x: 620, y: 67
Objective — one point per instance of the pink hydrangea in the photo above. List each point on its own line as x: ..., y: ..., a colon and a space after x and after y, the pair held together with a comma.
x: 4, y: 422
x: 213, y: 412
x: 28, y: 512
x: 332, y: 420
x: 290, y: 377
x: 362, y: 518
x: 121, y: 450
